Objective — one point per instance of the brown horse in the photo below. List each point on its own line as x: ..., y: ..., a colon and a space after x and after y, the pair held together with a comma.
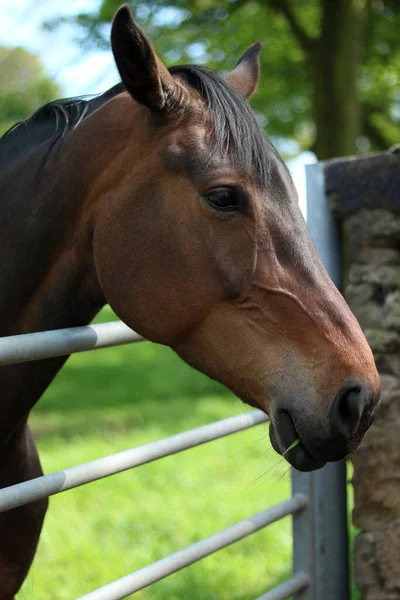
x: 165, y: 198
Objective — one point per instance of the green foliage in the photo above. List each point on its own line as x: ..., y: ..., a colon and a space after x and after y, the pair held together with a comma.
x: 216, y: 32
x: 380, y: 79
x: 24, y: 87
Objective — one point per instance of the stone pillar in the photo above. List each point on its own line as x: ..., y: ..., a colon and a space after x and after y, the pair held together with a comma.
x: 364, y: 194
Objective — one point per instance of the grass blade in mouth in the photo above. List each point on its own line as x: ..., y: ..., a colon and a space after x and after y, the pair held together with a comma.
x: 292, y: 445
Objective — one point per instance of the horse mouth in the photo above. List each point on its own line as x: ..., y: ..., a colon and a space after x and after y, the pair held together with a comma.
x: 282, y: 433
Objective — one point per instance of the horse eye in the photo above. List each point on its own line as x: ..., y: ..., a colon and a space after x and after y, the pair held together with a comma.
x: 226, y: 199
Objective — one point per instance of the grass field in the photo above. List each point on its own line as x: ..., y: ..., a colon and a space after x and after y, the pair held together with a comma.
x: 109, y: 400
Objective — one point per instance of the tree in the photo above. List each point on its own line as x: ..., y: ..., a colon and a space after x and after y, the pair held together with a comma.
x: 24, y: 86
x: 349, y: 32
x: 330, y: 67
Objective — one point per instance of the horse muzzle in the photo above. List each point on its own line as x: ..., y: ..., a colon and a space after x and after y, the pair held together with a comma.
x: 323, y: 438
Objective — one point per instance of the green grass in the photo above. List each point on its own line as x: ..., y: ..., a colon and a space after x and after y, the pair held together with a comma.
x: 109, y: 400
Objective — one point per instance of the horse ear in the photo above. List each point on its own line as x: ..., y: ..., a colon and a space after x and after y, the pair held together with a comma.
x: 244, y: 77
x: 142, y: 72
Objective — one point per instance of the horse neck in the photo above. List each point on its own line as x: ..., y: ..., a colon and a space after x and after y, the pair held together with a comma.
x: 47, y: 277
x: 46, y: 261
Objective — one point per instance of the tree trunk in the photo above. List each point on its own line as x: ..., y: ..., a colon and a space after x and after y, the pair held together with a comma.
x: 335, y: 61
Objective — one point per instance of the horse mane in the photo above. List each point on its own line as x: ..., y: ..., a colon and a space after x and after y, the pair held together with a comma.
x: 50, y: 123
x: 64, y: 114
x: 235, y: 126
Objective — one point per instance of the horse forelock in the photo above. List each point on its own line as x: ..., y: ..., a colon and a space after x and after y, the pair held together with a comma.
x: 236, y: 130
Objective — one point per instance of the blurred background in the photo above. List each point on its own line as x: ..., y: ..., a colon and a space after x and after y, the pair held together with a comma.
x: 330, y: 70
x: 329, y: 87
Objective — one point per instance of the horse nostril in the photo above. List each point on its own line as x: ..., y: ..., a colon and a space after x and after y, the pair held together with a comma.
x: 348, y: 408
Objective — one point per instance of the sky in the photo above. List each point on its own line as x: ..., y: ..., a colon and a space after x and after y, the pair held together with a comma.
x: 77, y: 72
x: 81, y: 72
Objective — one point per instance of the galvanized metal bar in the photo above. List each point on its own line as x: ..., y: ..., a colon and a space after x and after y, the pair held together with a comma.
x: 175, y: 562
x: 297, y: 583
x: 60, y: 342
x: 320, y: 533
x: 329, y: 485
x: 304, y: 535
x: 48, y: 485
x: 322, y: 225
x: 332, y: 571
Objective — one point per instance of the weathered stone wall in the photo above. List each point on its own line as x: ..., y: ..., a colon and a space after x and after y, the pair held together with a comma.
x: 364, y: 193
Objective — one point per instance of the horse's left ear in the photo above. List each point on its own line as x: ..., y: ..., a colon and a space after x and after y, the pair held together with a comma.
x: 244, y: 77
x: 142, y: 72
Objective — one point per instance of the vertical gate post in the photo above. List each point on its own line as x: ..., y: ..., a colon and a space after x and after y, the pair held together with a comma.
x: 304, y: 523
x: 322, y: 529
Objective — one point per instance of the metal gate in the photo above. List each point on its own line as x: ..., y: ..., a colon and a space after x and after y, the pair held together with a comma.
x: 318, y: 503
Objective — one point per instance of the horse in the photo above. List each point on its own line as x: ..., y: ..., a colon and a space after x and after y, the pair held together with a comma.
x: 165, y: 198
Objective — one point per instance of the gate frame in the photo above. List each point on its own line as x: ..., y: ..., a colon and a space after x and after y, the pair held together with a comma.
x: 320, y: 536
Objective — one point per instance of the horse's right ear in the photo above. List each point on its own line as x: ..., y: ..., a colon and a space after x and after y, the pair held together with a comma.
x: 142, y: 72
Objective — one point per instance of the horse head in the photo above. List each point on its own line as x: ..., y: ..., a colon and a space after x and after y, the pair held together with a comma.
x: 199, y: 244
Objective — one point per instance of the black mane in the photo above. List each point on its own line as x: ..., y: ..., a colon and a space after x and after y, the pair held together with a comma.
x: 49, y: 123
x: 235, y: 125
x: 236, y: 128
